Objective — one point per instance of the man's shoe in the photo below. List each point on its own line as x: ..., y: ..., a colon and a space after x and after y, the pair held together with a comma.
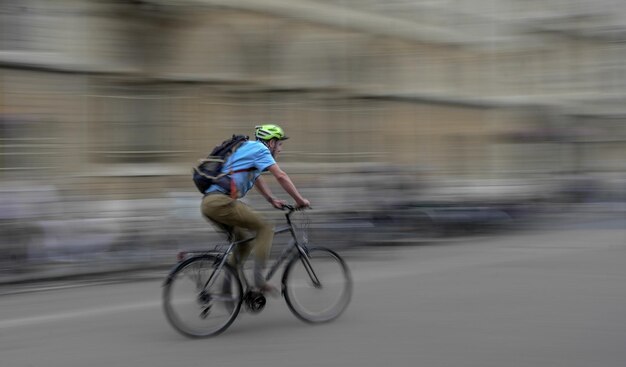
x: 270, y: 290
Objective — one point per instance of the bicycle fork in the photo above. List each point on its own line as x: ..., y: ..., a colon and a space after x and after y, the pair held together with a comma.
x: 304, y: 257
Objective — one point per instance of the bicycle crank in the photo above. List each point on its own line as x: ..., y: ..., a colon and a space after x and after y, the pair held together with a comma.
x: 255, y: 301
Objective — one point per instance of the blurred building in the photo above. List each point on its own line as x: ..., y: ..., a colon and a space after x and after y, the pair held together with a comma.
x: 116, y: 99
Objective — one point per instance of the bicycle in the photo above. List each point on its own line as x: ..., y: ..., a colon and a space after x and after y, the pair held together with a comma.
x: 209, y: 304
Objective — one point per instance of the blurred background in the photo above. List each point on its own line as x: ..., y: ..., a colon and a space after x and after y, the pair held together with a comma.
x: 409, y: 120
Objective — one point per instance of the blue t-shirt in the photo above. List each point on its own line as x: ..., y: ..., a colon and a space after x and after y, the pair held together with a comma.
x: 251, y: 154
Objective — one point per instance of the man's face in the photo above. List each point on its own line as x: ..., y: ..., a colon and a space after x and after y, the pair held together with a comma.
x: 276, y: 146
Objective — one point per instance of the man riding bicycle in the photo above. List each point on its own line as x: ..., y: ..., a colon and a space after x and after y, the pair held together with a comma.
x: 243, y: 170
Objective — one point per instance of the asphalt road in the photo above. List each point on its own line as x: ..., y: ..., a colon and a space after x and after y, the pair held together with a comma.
x: 543, y: 298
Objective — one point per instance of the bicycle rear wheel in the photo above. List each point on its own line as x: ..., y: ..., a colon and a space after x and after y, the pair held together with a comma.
x: 322, y: 302
x: 194, y: 309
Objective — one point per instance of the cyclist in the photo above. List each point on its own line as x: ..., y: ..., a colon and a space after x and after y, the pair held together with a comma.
x: 220, y: 204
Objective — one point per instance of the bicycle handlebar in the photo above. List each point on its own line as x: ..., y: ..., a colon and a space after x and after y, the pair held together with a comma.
x: 292, y: 208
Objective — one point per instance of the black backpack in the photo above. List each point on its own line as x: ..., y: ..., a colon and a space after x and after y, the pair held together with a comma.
x: 209, y: 170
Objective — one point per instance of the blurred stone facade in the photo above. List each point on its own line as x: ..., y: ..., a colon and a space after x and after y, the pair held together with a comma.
x: 119, y: 98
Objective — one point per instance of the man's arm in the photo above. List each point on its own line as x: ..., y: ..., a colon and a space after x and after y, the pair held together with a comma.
x: 264, y: 189
x: 285, y: 182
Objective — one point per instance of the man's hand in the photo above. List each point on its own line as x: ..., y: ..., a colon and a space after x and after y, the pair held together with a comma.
x: 304, y: 203
x: 277, y: 203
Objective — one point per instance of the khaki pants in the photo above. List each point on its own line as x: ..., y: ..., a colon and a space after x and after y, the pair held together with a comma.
x: 234, y: 216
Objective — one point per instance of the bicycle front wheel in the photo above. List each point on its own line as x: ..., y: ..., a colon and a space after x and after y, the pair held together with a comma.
x: 317, y: 288
x: 195, y: 309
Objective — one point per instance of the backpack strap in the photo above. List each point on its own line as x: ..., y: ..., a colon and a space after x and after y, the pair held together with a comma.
x: 233, y: 187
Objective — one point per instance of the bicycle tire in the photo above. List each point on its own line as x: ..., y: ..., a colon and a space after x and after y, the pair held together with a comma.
x: 303, y: 298
x: 194, y: 311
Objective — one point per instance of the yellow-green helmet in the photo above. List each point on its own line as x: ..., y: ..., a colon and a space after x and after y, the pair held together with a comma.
x: 269, y: 132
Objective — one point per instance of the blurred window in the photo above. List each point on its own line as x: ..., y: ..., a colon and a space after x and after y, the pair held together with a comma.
x: 131, y: 124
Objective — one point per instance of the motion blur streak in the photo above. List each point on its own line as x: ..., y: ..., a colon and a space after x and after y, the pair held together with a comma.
x: 437, y: 124
x: 60, y: 317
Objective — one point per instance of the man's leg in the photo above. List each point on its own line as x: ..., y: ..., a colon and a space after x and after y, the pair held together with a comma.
x: 223, y: 209
x: 242, y: 250
x: 244, y: 218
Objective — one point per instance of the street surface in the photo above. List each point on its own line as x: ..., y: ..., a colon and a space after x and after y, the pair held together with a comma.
x: 540, y: 298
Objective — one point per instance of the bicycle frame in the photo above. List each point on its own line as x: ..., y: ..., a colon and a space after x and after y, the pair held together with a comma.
x: 228, y: 290
x: 287, y: 253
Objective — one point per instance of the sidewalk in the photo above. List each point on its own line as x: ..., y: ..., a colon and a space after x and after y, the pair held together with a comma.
x: 58, y: 270
x: 120, y: 263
